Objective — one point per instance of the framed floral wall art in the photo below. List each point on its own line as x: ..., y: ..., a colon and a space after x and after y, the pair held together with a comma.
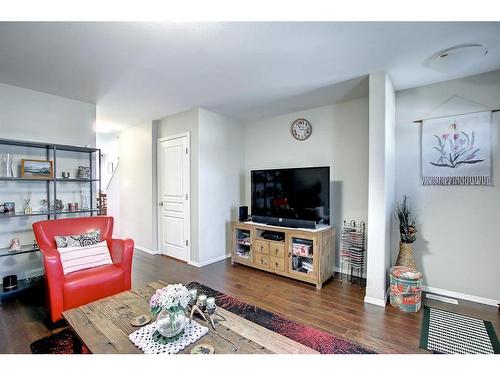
x: 456, y: 150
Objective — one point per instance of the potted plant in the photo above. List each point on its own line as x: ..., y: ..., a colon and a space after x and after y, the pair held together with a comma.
x: 169, y: 306
x: 407, y: 233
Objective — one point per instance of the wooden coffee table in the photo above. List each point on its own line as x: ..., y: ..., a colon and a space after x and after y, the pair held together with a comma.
x: 104, y: 326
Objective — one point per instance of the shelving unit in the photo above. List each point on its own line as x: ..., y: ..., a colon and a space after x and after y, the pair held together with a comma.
x: 51, y: 152
x: 52, y: 148
x: 353, y: 252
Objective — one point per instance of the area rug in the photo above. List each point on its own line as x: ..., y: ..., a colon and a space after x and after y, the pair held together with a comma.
x: 66, y: 341
x: 323, y: 342
x: 445, y: 332
x: 63, y: 342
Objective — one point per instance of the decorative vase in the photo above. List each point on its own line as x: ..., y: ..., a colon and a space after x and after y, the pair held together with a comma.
x: 84, y: 200
x: 170, y: 323
x: 406, y: 256
x: 6, y: 166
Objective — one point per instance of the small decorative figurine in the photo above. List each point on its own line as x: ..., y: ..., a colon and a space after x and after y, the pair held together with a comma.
x: 66, y: 174
x: 45, y: 205
x: 59, y: 205
x: 27, y: 206
x: 15, y: 245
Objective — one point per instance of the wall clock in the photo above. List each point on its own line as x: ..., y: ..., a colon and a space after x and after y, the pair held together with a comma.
x: 301, y: 129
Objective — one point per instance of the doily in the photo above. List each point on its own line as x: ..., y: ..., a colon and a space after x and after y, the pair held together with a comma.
x: 143, y: 338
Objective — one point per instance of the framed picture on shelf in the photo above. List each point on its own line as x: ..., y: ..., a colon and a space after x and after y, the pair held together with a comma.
x: 37, y: 168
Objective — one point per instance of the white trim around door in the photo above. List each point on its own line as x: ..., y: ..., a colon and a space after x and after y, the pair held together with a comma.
x: 174, y: 198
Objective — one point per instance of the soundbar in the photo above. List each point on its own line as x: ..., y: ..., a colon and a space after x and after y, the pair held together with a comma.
x: 284, y: 222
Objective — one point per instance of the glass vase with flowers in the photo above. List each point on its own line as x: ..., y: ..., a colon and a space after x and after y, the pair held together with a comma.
x: 169, y: 304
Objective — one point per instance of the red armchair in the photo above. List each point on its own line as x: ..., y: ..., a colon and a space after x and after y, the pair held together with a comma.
x: 81, y: 287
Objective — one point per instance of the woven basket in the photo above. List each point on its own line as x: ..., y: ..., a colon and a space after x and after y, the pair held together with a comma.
x: 406, y: 257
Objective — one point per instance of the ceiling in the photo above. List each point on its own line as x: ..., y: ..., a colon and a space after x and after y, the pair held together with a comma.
x: 138, y: 72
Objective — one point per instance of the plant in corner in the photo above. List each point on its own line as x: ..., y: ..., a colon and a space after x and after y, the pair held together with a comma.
x: 407, y: 233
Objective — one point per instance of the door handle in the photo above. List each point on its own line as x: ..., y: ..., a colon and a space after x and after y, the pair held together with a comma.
x: 160, y: 204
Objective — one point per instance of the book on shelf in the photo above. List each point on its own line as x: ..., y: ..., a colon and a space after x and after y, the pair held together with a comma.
x: 244, y: 241
x: 299, y: 249
x: 243, y: 253
x: 302, y: 241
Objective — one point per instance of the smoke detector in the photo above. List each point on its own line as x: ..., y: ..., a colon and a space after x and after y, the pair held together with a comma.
x: 457, y: 58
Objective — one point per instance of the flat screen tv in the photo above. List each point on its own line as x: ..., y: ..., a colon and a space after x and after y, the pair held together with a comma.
x: 294, y: 197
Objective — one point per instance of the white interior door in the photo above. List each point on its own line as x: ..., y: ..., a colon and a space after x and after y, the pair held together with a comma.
x: 174, y: 199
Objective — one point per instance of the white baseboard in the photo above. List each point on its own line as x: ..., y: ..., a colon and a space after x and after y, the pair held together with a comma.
x: 467, y: 297
x: 375, y: 301
x: 210, y: 261
x: 146, y: 250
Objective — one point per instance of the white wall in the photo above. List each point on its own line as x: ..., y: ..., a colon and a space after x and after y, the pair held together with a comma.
x: 339, y: 140
x: 381, y: 186
x: 188, y: 121
x: 110, y: 150
x: 114, y: 201
x: 457, y: 247
x: 216, y: 159
x: 220, y: 184
x: 137, y: 185
x: 35, y: 116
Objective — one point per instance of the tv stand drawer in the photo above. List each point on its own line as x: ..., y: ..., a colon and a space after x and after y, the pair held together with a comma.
x: 261, y: 260
x: 277, y: 264
x: 277, y: 249
x: 262, y: 247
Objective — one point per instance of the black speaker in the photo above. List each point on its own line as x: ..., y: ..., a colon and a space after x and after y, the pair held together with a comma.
x: 243, y: 213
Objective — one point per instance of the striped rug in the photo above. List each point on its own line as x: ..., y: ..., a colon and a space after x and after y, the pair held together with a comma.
x: 450, y: 333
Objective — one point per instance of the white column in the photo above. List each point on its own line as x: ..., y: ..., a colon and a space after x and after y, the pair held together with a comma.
x: 380, y: 185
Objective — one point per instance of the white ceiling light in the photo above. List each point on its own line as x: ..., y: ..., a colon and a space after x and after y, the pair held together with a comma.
x: 457, y: 58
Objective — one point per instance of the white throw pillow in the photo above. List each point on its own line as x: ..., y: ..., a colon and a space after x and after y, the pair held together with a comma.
x: 79, y: 258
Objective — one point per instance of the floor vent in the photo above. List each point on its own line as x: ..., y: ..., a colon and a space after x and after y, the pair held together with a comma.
x: 442, y: 299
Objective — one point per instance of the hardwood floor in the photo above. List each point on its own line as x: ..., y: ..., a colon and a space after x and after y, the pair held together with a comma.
x: 338, y: 308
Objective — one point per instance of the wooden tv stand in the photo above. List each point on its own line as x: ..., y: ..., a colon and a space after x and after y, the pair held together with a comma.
x: 303, y: 254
